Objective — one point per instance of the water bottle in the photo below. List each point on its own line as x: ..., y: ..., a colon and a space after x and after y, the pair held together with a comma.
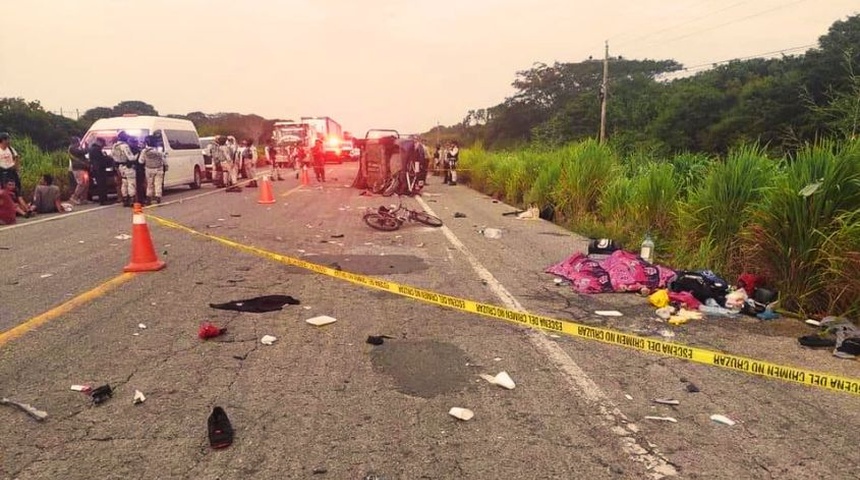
x: 647, y: 249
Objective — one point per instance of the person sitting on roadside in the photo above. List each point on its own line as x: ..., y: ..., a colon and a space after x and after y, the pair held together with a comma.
x: 46, y: 197
x: 21, y: 207
x: 7, y: 208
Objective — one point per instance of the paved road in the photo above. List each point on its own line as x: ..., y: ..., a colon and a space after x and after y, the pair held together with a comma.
x: 322, y: 403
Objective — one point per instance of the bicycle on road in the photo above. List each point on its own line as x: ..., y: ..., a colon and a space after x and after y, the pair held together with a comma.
x: 388, y: 220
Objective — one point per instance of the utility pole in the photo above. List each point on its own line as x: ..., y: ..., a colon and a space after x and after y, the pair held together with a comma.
x: 603, y: 92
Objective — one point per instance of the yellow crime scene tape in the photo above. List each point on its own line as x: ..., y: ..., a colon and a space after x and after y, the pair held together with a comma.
x: 566, y: 327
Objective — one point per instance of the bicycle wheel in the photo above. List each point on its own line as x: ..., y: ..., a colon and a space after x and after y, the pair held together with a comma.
x: 381, y: 222
x: 426, y: 219
x: 391, y: 187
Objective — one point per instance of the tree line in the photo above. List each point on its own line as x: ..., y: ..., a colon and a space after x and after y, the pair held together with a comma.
x: 782, y: 103
x: 23, y: 118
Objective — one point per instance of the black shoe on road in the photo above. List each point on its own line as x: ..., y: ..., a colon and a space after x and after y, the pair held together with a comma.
x: 220, y: 429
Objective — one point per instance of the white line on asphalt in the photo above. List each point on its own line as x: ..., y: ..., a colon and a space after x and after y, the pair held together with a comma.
x: 58, y: 216
x: 656, y: 465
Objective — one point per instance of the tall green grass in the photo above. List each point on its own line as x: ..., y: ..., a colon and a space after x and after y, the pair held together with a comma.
x: 741, y: 213
x: 35, y: 163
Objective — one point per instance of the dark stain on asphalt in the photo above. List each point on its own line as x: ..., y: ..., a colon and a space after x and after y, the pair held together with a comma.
x: 423, y: 368
x: 371, y: 264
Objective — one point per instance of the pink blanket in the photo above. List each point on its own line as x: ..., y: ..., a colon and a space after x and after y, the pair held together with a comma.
x: 620, y: 272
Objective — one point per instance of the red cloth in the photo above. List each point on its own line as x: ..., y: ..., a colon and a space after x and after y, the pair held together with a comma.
x: 686, y: 298
x: 749, y: 282
x: 207, y: 330
x: 7, y: 208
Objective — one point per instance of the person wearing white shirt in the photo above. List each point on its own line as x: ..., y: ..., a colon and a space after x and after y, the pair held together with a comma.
x: 9, y: 162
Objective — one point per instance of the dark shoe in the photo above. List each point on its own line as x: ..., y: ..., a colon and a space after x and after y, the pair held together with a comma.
x: 817, y: 341
x: 101, y: 394
x: 220, y: 430
x: 157, y: 199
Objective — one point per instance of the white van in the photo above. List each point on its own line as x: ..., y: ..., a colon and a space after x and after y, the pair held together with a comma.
x: 179, y: 142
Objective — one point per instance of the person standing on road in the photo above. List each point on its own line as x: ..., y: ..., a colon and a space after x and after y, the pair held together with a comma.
x: 9, y: 161
x: 100, y: 162
x: 452, y: 157
x: 125, y: 160
x: 155, y: 164
x: 80, y: 171
x: 318, y: 158
x: 272, y: 158
x: 248, y: 154
x: 422, y: 160
x: 228, y: 165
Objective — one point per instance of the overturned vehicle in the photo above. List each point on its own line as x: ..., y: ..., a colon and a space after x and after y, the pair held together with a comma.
x: 390, y: 164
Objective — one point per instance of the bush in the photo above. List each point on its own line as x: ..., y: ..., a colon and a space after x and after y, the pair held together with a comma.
x: 35, y: 163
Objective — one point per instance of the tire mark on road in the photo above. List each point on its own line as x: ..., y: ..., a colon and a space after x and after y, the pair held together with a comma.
x: 656, y: 465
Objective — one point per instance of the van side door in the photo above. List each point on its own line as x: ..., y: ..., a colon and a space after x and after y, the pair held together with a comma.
x: 184, y: 154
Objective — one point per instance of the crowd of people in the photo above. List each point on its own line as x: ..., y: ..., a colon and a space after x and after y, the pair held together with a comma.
x: 46, y: 195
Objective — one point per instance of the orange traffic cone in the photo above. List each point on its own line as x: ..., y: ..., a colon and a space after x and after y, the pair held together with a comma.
x: 306, y: 179
x: 266, y: 195
x: 143, y: 257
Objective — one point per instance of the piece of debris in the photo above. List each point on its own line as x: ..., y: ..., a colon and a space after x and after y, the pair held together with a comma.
x: 46, y: 275
x: 235, y: 214
x: 722, y: 419
x: 219, y: 428
x: 692, y: 388
x: 502, y: 379
x: 240, y: 357
x: 122, y: 236
x: 491, y: 232
x: 461, y: 413
x: 265, y: 303
x: 662, y: 419
x: 207, y: 330
x: 609, y: 313
x: 377, y: 339
x: 666, y: 401
x: 497, y: 359
x: 319, y: 470
x: 220, y: 219
x: 26, y: 407
x: 339, y: 235
x: 665, y: 313
x: 213, y: 226
x: 321, y: 320
x: 515, y: 212
x: 459, y: 215
x: 139, y: 398
x: 81, y: 388
x: 420, y: 245
x: 628, y: 396
x: 814, y: 323
x: 666, y: 333
x: 141, y: 326
x: 268, y: 339
x: 101, y: 394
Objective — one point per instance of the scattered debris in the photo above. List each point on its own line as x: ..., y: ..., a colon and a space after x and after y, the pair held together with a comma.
x: 459, y: 215
x: 628, y: 396
x: 666, y: 401
x: 101, y: 394
x: 235, y: 214
x: 123, y: 236
x: 420, y: 245
x: 339, y: 235
x: 502, y: 379
x: 141, y: 326
x: 321, y: 320
x: 662, y: 419
x: 220, y: 219
x: 46, y: 275
x: 491, y: 232
x: 461, y: 413
x: 814, y: 323
x: 561, y: 282
x: 220, y: 429
x: 81, y: 388
x: 497, y: 359
x: 532, y: 213
x: 266, y: 303
x: 319, y: 470
x: 213, y: 226
x: 515, y: 212
x: 139, y: 397
x: 207, y: 330
x: 268, y: 339
x: 240, y: 357
x: 609, y: 313
x: 722, y: 419
x: 377, y: 339
x: 26, y: 407
x: 665, y: 313
x: 692, y: 388
x: 666, y: 333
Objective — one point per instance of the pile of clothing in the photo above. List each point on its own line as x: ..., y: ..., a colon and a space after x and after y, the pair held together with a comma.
x: 838, y: 333
x: 619, y: 271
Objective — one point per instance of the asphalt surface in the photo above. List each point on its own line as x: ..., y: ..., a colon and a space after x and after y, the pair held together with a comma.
x: 322, y: 403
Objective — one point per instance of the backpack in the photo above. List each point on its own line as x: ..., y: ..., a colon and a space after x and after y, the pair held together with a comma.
x: 602, y: 246
x: 703, y: 284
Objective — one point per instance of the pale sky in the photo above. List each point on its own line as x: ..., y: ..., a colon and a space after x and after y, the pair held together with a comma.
x: 402, y: 64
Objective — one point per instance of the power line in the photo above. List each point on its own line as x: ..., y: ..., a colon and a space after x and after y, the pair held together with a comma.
x: 705, y: 66
x: 726, y: 23
x: 683, y: 23
x: 641, y: 9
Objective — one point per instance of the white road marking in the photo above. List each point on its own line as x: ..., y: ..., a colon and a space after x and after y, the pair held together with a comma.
x: 58, y: 216
x: 656, y: 465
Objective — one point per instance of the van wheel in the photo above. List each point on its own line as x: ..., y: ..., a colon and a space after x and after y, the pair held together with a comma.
x: 198, y: 179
